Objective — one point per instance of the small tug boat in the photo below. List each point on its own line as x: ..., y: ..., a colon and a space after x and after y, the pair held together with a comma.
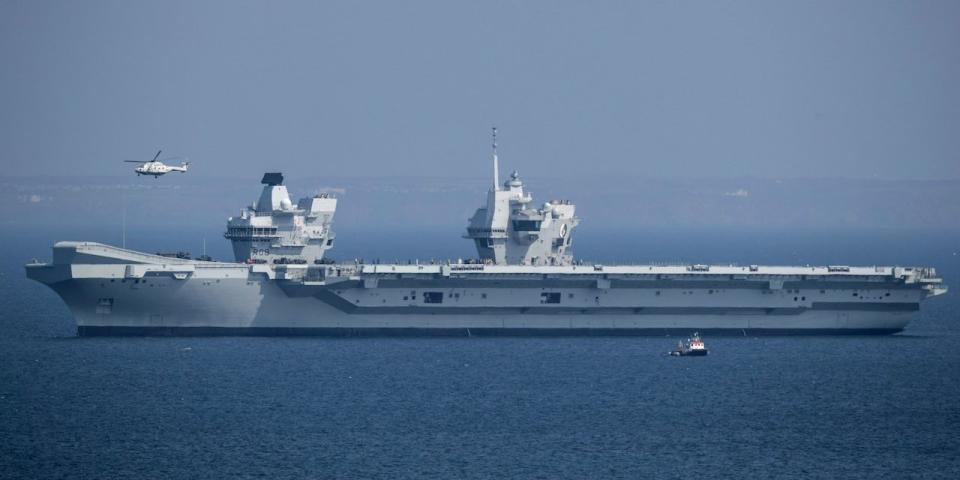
x: 693, y: 348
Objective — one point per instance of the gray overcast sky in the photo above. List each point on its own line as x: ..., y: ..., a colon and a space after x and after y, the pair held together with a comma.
x: 672, y: 89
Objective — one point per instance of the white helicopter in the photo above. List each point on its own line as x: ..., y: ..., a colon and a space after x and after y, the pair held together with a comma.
x: 156, y: 168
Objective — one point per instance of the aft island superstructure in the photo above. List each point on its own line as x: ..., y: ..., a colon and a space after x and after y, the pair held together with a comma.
x: 525, y: 281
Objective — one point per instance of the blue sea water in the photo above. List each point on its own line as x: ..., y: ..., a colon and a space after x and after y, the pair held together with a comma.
x: 781, y: 407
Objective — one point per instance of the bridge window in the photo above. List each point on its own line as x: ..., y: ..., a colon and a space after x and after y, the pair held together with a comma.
x: 550, y: 297
x: 526, y: 225
x: 432, y: 297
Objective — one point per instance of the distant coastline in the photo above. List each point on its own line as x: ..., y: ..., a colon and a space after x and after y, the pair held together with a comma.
x: 411, y: 202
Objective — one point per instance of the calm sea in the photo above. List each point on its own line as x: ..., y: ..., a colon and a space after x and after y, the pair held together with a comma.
x: 783, y: 407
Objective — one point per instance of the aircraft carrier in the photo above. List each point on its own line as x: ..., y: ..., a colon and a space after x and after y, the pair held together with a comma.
x: 524, y: 282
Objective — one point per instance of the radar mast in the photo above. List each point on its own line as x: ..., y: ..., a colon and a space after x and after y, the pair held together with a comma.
x: 496, y: 162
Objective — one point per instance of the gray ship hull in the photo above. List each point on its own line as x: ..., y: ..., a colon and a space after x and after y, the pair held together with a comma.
x: 112, y: 291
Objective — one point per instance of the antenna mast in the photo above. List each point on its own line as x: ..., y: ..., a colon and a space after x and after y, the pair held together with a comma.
x: 496, y: 163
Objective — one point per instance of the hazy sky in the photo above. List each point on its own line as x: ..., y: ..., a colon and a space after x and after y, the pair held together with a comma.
x: 666, y: 88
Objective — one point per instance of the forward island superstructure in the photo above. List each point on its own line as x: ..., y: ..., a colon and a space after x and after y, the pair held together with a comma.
x: 273, y: 228
x: 525, y: 282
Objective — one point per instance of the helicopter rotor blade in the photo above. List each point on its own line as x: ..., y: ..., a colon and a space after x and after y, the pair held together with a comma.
x: 155, y: 157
